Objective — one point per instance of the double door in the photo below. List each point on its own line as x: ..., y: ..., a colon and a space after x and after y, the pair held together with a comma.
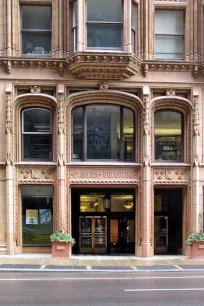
x: 102, y: 234
x: 93, y: 235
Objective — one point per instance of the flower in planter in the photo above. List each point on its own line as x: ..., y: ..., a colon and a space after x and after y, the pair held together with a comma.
x: 62, y: 237
x: 195, y: 237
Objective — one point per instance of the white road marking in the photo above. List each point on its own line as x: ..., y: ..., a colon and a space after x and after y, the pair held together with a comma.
x: 168, y: 289
x: 102, y: 279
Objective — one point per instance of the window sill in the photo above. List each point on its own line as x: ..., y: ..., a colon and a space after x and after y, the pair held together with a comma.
x: 35, y: 163
x: 170, y: 164
x: 102, y: 163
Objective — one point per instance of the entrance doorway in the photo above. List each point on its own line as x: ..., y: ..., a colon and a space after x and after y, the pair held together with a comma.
x: 103, y: 221
x: 168, y: 221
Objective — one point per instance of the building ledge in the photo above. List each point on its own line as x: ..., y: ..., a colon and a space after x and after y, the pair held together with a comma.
x: 103, y: 65
x: 170, y: 165
x: 103, y: 164
x: 35, y: 164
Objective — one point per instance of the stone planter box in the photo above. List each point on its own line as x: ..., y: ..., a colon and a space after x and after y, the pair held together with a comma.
x: 61, y: 250
x: 197, y: 249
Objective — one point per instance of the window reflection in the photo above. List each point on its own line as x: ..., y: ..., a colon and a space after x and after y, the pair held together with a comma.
x: 168, y: 135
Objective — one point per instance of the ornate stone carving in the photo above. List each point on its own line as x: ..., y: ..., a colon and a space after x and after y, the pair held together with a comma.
x: 171, y: 92
x: 61, y: 161
x: 103, y: 86
x: 146, y: 123
x: 196, y: 125
x: 105, y: 176
x: 196, y: 161
x: 61, y: 112
x: 170, y: 175
x: 146, y: 162
x: 32, y: 63
x: 35, y: 90
x: 36, y: 174
x: 103, y: 66
x: 9, y: 159
x: 8, y: 114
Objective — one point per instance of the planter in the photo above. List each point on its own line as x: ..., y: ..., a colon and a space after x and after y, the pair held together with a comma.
x: 197, y: 249
x: 61, y: 250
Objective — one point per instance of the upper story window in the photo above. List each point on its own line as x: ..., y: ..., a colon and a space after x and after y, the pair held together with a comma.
x: 133, y: 26
x: 104, y: 24
x: 103, y: 132
x: 37, y: 134
x: 168, y: 130
x: 36, y: 30
x: 74, y: 24
x: 169, y: 34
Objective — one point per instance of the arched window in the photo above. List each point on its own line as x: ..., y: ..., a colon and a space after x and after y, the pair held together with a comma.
x: 168, y: 130
x: 103, y: 132
x: 37, y: 134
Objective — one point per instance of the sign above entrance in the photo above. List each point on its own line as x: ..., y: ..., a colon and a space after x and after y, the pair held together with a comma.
x: 103, y: 176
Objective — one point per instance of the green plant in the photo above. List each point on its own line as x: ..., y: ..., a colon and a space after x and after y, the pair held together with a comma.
x: 62, y: 236
x: 195, y: 237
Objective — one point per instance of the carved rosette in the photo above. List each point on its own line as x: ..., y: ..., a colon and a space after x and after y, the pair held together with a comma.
x: 35, y: 90
x: 171, y: 176
x: 61, y: 111
x: 102, y: 176
x: 36, y: 175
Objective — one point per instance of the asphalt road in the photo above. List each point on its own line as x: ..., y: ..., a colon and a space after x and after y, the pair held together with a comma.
x: 102, y: 289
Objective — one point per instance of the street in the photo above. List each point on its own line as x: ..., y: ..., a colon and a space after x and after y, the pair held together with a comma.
x: 76, y: 289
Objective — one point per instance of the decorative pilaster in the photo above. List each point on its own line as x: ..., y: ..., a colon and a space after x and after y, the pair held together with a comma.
x: 61, y: 170
x: 146, y: 244
x: 9, y: 172
x: 195, y: 173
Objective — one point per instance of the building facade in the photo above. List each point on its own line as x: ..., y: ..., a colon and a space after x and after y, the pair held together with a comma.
x: 101, y: 124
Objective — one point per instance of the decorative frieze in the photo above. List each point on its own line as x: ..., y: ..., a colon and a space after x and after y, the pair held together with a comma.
x: 103, y: 66
x: 36, y: 174
x: 170, y: 175
x: 103, y: 176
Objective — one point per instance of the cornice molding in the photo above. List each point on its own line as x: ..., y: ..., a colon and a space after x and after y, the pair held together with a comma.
x: 103, y: 66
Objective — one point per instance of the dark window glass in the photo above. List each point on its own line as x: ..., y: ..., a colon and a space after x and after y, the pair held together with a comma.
x: 36, y: 30
x: 103, y: 132
x: 37, y: 134
x: 74, y: 24
x: 133, y: 26
x: 104, y: 24
x: 37, y: 215
x: 168, y: 136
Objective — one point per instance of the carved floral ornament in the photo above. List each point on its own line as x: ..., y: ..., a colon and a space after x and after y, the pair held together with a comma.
x: 35, y: 90
x: 169, y: 175
x: 36, y: 174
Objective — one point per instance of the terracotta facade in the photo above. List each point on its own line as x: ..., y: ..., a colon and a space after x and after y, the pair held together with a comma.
x: 66, y: 79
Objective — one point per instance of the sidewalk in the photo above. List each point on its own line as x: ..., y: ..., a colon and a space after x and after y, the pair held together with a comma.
x: 44, y: 262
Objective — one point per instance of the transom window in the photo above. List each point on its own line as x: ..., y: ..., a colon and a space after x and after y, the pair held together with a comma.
x: 168, y: 129
x: 103, y: 132
x: 37, y: 134
x: 36, y: 30
x: 169, y: 34
x: 104, y: 24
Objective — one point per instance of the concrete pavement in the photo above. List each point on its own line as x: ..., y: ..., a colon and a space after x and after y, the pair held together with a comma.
x: 44, y: 262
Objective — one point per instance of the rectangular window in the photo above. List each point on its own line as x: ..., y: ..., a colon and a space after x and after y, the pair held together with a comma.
x: 133, y: 26
x: 37, y: 215
x: 74, y: 25
x: 104, y: 24
x: 36, y: 30
x: 169, y: 35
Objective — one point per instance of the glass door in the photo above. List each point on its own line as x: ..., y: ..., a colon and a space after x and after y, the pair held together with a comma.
x: 122, y: 237
x: 93, y: 235
x: 161, y: 234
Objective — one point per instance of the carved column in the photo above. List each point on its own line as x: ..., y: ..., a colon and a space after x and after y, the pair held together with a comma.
x: 195, y: 173
x: 61, y: 170
x: 127, y: 26
x: 147, y: 250
x: 81, y: 26
x: 9, y: 173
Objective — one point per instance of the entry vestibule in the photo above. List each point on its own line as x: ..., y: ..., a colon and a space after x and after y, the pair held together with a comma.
x: 103, y: 221
x: 168, y: 221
